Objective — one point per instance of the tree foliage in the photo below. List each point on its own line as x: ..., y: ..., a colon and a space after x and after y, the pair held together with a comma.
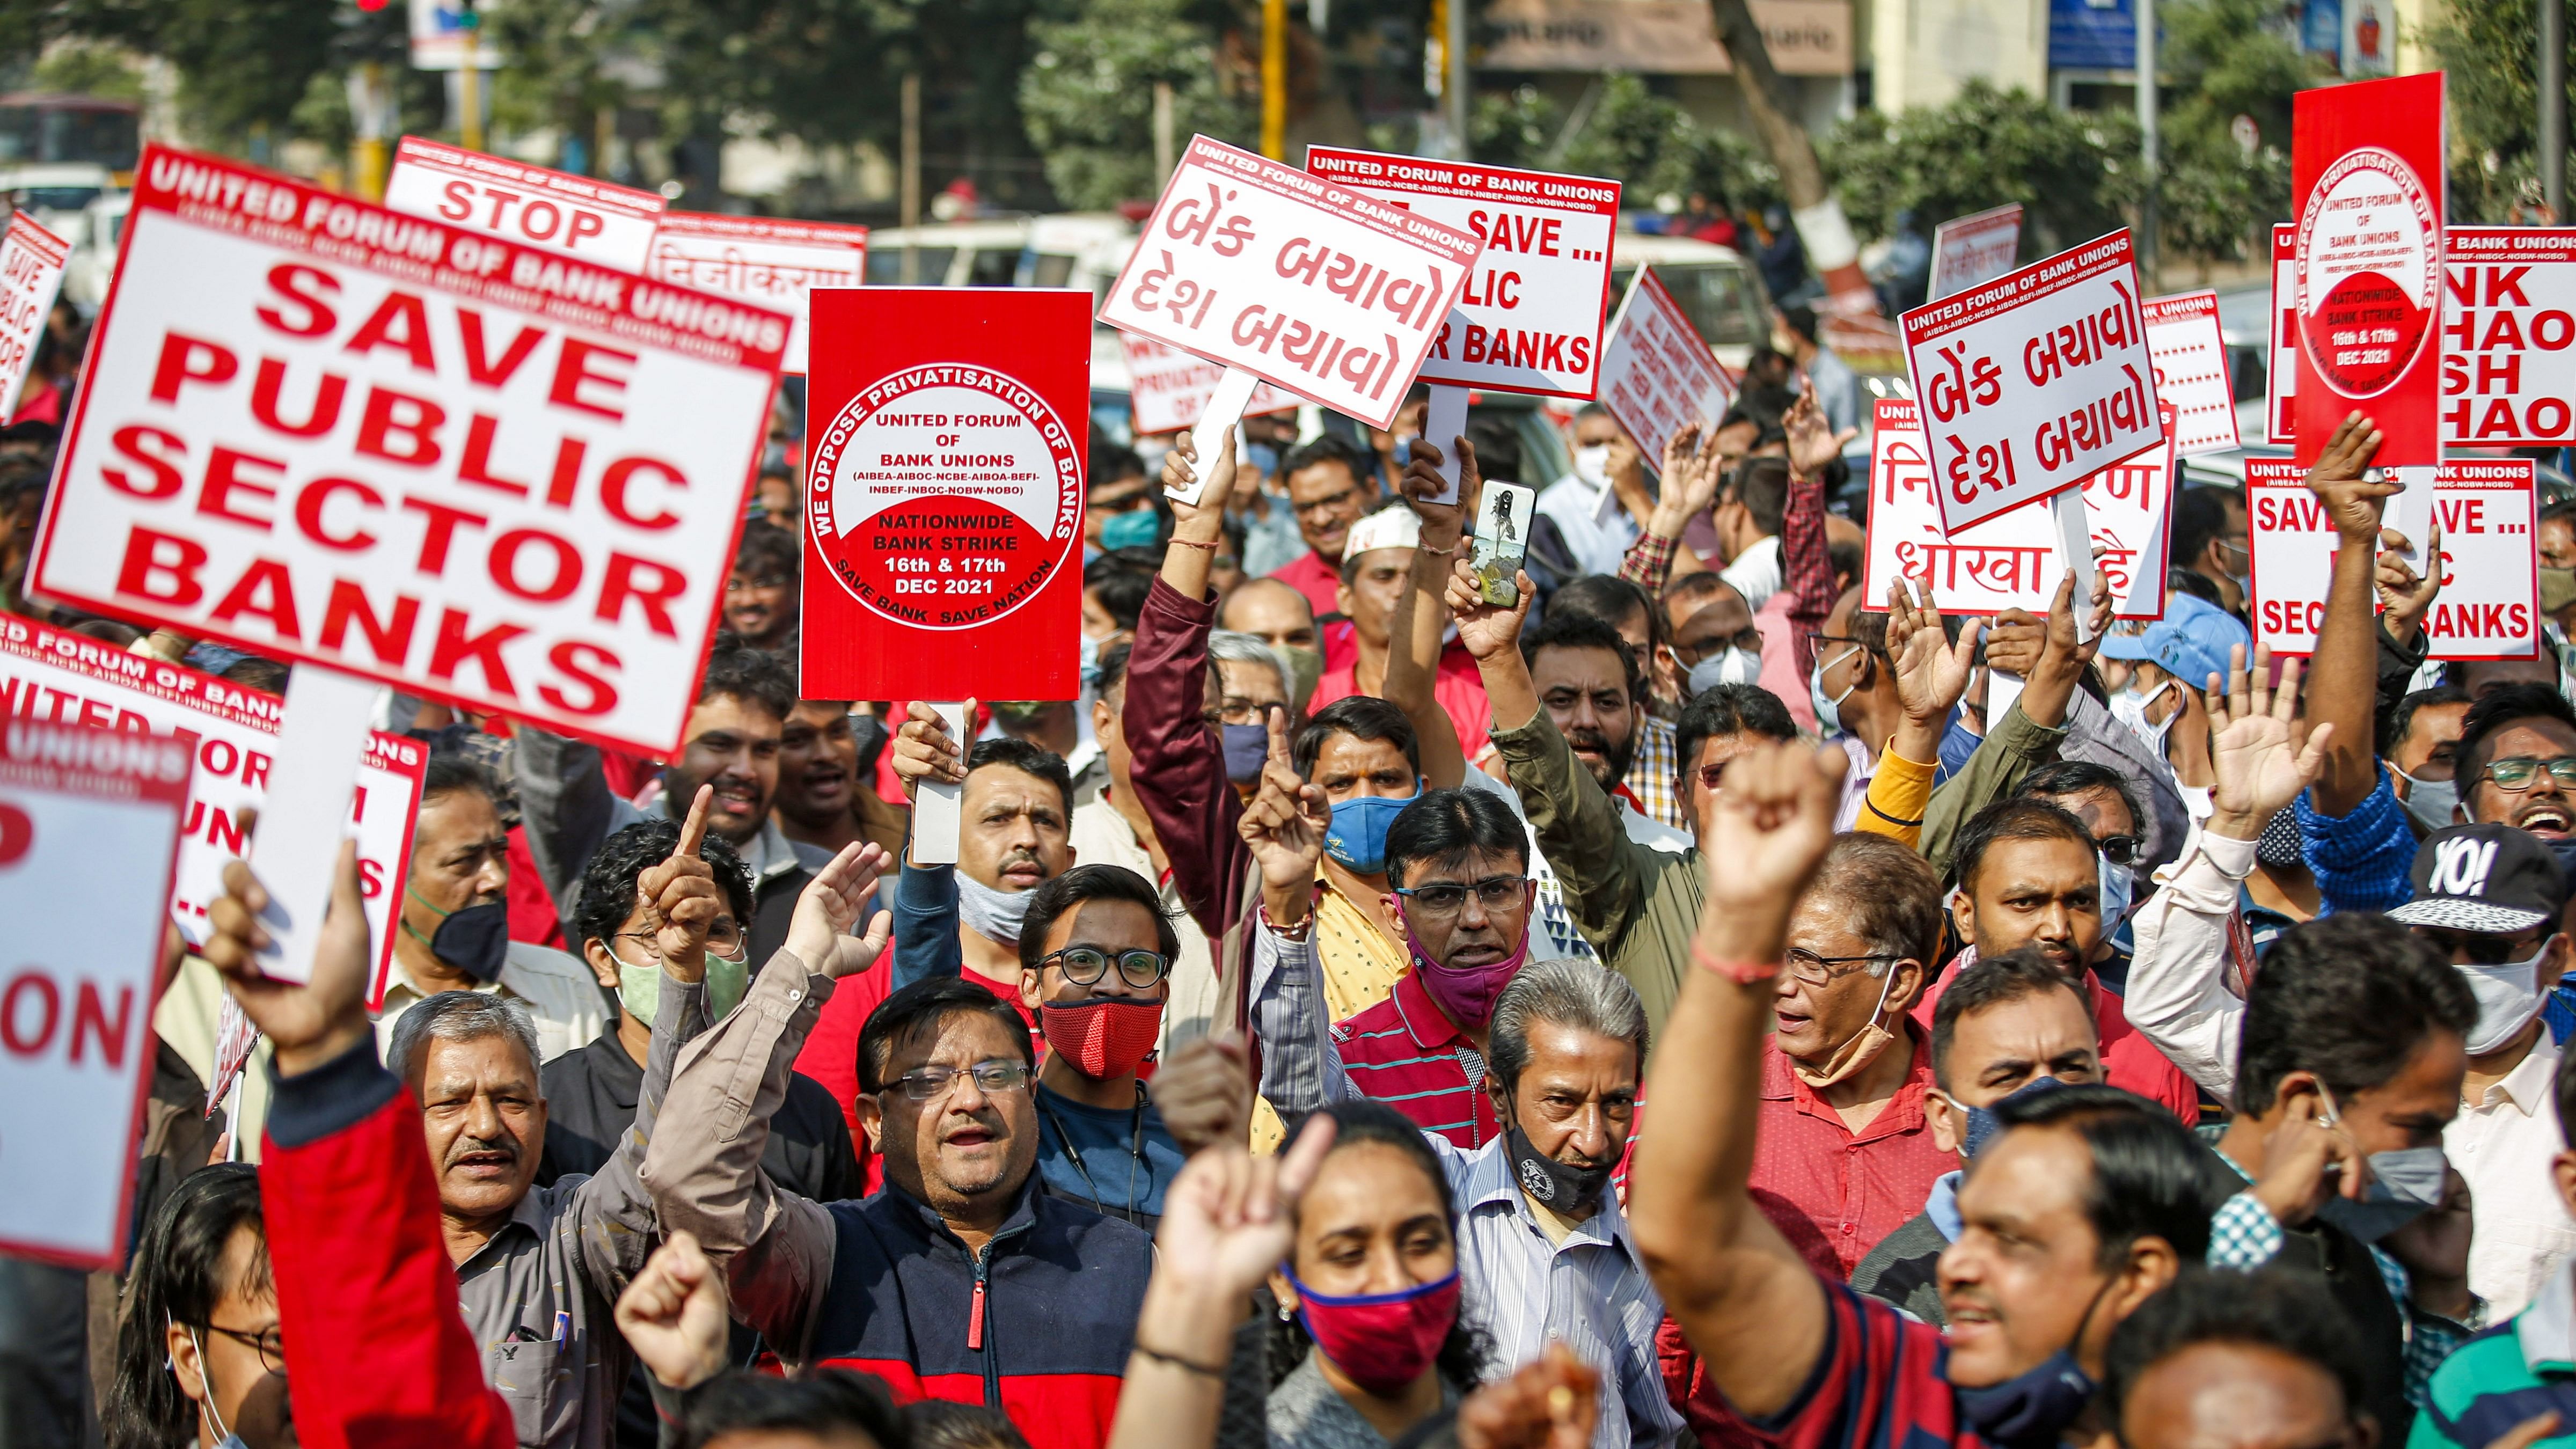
x: 1088, y: 95
x: 2222, y: 59
x: 2075, y: 174
x: 2487, y: 51
x: 1647, y: 143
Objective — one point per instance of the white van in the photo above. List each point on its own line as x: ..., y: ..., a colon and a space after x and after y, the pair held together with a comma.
x: 1714, y: 284
x: 1074, y: 249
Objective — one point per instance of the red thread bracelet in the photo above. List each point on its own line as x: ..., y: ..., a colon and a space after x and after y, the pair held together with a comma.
x: 1742, y: 973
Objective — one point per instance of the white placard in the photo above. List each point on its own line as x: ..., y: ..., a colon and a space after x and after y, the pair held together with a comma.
x: 938, y: 807
x: 554, y: 211
x: 31, y: 272
x: 319, y: 430
x: 1530, y: 318
x: 1970, y: 251
x: 296, y: 853
x: 51, y: 675
x: 2013, y: 560
x: 2489, y: 604
x: 1444, y: 422
x: 89, y: 825
x: 2508, y: 322
x: 773, y: 263
x: 1169, y: 389
x: 2034, y: 381
x: 2191, y: 371
x: 1657, y: 374
x: 1302, y: 282
x: 1219, y: 419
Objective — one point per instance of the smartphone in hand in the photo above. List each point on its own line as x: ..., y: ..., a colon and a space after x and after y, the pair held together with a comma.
x: 1503, y: 517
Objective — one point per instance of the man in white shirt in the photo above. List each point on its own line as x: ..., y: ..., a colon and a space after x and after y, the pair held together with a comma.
x: 1585, y: 505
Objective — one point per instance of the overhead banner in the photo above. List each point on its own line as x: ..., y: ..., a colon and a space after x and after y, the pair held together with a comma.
x: 946, y: 431
x: 773, y: 263
x: 31, y: 272
x: 1300, y: 281
x: 556, y: 211
x: 2014, y: 560
x: 1529, y: 319
x: 1168, y: 389
x: 1970, y: 251
x: 2509, y: 337
x: 1657, y: 375
x: 2191, y: 371
x: 55, y: 677
x: 323, y: 431
x: 89, y: 822
x: 2489, y: 605
x: 2034, y: 381
x: 2366, y: 167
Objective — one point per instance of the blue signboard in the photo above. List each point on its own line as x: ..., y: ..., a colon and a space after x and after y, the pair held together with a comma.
x: 2092, y: 35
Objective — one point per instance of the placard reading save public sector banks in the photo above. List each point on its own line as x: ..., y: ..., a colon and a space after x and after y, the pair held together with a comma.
x: 774, y: 263
x: 556, y: 211
x: 2489, y: 604
x: 1530, y: 317
x: 324, y: 431
x: 946, y: 432
x: 2013, y: 560
x: 31, y: 272
x: 1657, y: 375
x: 1301, y: 281
x: 1168, y: 389
x: 2034, y: 381
x: 57, y: 677
x: 89, y: 825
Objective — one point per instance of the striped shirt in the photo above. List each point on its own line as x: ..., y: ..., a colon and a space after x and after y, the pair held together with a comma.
x: 1404, y: 1051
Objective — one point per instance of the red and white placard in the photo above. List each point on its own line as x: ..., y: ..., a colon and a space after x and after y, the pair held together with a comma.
x: 2281, y: 349
x: 55, y: 677
x: 2014, y: 560
x: 89, y: 823
x: 1169, y: 389
x: 2034, y: 381
x: 556, y: 211
x: 31, y: 272
x: 2489, y: 604
x: 1530, y: 318
x: 1657, y: 374
x: 2191, y: 371
x: 324, y: 431
x: 2366, y: 165
x: 1970, y: 251
x: 2509, y: 337
x: 1302, y: 282
x: 946, y: 430
x: 773, y: 263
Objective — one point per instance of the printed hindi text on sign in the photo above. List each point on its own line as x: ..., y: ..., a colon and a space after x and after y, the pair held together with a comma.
x: 1657, y: 376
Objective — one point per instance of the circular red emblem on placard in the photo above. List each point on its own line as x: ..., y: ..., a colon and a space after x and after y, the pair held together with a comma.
x: 945, y: 496
x: 2370, y: 279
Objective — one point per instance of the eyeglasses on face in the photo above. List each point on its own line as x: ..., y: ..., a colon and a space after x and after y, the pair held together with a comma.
x: 738, y: 584
x: 1817, y: 970
x: 724, y: 938
x: 923, y: 1084
x: 2120, y: 849
x: 2522, y: 772
x: 269, y: 1345
x: 1443, y: 899
x: 1085, y: 965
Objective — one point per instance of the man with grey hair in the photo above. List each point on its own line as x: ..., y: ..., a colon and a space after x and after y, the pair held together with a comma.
x: 1247, y: 678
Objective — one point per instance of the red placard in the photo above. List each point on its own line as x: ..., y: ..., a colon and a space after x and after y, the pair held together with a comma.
x: 946, y: 430
x: 325, y: 431
x: 2366, y: 168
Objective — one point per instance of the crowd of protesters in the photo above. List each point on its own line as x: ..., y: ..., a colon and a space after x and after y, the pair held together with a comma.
x: 1696, y: 1003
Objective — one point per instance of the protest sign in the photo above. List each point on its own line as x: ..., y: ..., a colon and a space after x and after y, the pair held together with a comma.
x: 2013, y: 560
x: 31, y: 272
x: 2508, y: 319
x: 946, y: 431
x: 1529, y: 318
x: 55, y: 677
x: 2034, y: 381
x: 2366, y: 166
x: 320, y: 430
x: 773, y: 263
x: 2489, y: 604
x: 1168, y: 389
x: 2191, y: 371
x: 1300, y: 281
x: 89, y: 823
x: 553, y: 211
x: 2281, y: 355
x: 1657, y: 375
x: 1970, y: 251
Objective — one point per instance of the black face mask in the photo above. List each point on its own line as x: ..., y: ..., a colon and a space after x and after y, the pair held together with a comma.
x: 473, y: 939
x: 1561, y: 1187
x: 2031, y: 1409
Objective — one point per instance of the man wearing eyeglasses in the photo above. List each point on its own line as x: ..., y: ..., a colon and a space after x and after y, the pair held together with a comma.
x: 1331, y: 484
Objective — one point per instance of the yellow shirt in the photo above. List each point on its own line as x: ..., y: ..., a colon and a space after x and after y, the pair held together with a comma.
x: 1360, y: 967
x: 1898, y: 795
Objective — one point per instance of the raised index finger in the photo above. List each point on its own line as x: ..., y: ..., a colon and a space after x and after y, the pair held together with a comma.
x: 693, y: 831
x: 1275, y: 719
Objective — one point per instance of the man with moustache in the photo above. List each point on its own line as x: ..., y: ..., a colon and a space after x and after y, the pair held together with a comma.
x: 824, y: 796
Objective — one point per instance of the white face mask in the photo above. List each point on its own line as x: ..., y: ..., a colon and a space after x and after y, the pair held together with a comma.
x: 2508, y: 998
x: 1735, y: 666
x: 993, y: 914
x: 1592, y: 464
x: 2130, y: 708
x: 2119, y: 887
x: 1829, y: 707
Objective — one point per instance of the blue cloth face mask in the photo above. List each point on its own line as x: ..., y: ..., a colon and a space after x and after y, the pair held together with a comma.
x: 1247, y: 749
x: 1264, y: 460
x: 2404, y: 1185
x: 1357, y: 838
x: 1133, y: 529
x: 1983, y: 1126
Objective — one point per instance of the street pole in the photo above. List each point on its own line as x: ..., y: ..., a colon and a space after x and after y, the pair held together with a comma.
x: 1457, y: 87
x: 1274, y: 79
x: 469, y: 87
x: 910, y: 164
x: 2147, y: 138
x: 2553, y: 108
x: 1162, y: 133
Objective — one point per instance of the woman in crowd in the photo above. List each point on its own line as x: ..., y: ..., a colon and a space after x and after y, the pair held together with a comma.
x: 199, y: 1360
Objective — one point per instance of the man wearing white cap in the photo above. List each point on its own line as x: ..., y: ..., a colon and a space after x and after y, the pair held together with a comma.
x: 1375, y: 564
